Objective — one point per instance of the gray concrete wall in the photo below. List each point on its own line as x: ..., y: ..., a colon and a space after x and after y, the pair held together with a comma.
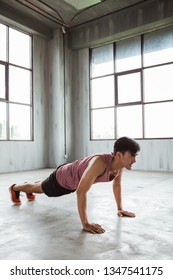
x: 146, y: 16
x: 81, y: 103
x: 25, y: 155
x: 60, y: 108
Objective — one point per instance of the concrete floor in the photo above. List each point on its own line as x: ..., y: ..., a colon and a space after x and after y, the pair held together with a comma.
x: 49, y: 228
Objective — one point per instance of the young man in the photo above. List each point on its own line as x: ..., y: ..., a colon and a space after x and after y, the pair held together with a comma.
x: 81, y: 174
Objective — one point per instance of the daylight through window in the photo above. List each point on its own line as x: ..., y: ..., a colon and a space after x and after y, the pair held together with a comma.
x: 131, y: 87
x: 15, y: 84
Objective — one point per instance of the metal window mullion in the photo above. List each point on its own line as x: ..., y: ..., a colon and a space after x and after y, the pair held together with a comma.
x: 7, y: 87
x: 31, y: 93
x: 142, y: 86
x: 143, y: 104
x: 116, y: 105
x: 90, y: 109
x: 116, y: 93
x: 7, y: 121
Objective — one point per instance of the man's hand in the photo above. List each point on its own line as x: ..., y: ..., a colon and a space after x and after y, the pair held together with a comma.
x: 93, y: 228
x: 122, y: 213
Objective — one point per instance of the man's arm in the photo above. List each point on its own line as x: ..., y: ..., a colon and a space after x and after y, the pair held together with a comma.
x: 117, y: 192
x: 118, y: 198
x: 95, y: 168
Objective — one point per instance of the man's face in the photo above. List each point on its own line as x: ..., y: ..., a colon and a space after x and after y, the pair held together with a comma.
x: 127, y: 160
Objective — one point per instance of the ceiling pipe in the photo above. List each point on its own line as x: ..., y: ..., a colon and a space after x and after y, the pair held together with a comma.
x: 42, y: 12
x: 85, y: 9
x: 52, y: 10
x: 99, y: 17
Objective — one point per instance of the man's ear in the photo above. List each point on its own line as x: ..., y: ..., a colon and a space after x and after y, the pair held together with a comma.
x: 119, y: 154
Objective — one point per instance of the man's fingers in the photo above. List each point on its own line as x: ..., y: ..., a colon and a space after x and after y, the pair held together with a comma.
x: 94, y: 228
x: 132, y: 215
x: 99, y: 229
x: 129, y: 214
x: 126, y: 214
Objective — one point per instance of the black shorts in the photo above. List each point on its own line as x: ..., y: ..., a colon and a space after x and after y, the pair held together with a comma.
x: 51, y: 187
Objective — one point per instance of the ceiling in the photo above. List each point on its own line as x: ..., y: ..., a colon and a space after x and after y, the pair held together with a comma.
x: 65, y: 13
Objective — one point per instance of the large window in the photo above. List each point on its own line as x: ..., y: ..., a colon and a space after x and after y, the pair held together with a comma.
x: 132, y: 87
x: 15, y: 84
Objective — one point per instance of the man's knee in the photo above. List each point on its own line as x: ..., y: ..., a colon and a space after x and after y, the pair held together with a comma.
x: 37, y: 188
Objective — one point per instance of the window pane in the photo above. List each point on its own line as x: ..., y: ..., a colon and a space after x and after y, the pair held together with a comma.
x: 103, y: 124
x: 3, y: 121
x: 128, y: 54
x: 20, y: 122
x: 19, y: 48
x: 129, y: 88
x: 158, y: 83
x: 158, y: 120
x: 158, y: 47
x: 102, y: 92
x: 129, y: 121
x: 19, y: 85
x: 102, y: 61
x: 2, y: 81
x: 3, y: 40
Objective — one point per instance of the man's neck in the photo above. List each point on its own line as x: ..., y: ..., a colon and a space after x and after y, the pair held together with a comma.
x: 116, y: 164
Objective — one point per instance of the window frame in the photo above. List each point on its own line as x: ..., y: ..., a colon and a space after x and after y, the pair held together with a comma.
x: 117, y: 103
x: 6, y: 100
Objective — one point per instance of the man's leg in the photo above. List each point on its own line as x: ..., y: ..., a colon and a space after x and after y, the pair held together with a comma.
x: 28, y: 188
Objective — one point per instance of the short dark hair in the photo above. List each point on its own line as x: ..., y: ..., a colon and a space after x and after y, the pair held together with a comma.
x: 126, y: 144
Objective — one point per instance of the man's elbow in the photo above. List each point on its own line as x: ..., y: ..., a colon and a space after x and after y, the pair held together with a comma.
x: 78, y: 192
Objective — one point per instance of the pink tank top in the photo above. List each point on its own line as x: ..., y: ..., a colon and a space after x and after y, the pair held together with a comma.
x: 69, y: 175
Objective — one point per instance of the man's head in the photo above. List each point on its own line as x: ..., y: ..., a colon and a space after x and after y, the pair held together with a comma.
x: 125, y: 150
x: 125, y: 144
